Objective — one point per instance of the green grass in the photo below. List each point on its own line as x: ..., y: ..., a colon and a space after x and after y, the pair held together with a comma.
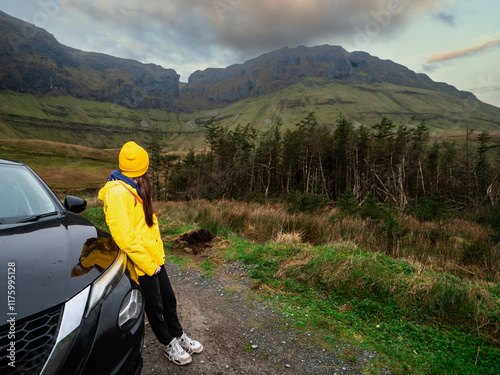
x: 365, y: 104
x: 333, y: 294
x: 63, y: 166
x: 418, y: 321
x: 106, y: 125
x: 183, y: 262
x: 208, y: 267
x: 96, y: 216
x: 171, y: 229
x: 90, y: 123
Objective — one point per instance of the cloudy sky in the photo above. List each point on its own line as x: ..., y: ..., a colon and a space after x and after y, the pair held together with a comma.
x: 453, y: 41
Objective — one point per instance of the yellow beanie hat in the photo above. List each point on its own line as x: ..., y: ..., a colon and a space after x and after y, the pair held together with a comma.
x: 133, y: 160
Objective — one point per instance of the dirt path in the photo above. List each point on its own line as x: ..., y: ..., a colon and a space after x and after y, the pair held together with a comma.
x: 240, y: 333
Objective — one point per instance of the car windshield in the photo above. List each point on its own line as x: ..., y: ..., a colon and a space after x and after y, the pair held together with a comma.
x: 22, y: 197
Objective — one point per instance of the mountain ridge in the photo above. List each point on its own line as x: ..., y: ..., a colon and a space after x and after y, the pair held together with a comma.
x: 35, y: 62
x: 50, y: 91
x: 44, y: 66
x: 279, y: 69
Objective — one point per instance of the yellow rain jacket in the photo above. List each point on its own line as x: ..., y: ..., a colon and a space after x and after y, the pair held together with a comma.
x: 127, y: 224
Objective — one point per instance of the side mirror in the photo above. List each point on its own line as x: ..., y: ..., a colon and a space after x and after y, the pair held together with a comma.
x: 75, y: 204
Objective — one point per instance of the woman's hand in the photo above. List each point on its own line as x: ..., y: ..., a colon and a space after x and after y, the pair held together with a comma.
x: 158, y: 269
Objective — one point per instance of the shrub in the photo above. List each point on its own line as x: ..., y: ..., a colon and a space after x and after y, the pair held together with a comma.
x: 255, y: 197
x: 391, y: 229
x: 305, y: 202
x: 433, y: 207
x: 491, y: 217
x: 348, y: 203
x: 474, y: 253
x: 370, y: 208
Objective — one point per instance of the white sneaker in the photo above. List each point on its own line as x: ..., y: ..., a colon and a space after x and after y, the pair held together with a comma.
x: 190, y: 346
x: 175, y: 353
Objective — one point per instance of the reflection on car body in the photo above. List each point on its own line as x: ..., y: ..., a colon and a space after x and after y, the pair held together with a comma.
x: 99, y: 252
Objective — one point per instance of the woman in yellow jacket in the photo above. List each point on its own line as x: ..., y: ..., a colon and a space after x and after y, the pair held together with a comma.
x: 134, y: 227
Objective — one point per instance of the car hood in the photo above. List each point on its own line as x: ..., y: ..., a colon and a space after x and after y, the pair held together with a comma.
x: 51, y: 260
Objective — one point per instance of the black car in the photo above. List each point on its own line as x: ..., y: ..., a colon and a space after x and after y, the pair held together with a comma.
x: 71, y: 303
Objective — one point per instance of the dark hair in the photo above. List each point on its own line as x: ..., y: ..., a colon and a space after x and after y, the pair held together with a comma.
x: 145, y: 191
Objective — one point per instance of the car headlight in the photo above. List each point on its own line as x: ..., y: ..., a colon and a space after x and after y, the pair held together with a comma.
x: 130, y: 310
x: 106, y: 282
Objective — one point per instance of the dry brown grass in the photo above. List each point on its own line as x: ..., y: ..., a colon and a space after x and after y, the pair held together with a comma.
x: 293, y: 238
x: 456, y: 245
x: 74, y: 178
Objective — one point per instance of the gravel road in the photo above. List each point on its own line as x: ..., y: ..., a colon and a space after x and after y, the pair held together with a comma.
x: 242, y: 334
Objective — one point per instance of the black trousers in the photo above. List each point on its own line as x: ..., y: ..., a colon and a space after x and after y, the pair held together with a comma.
x: 161, y: 306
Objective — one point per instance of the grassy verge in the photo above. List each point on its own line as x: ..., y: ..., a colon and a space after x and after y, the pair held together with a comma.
x: 372, y: 301
x: 419, y: 319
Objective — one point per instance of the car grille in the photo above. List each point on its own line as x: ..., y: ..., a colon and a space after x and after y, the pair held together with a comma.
x: 34, y: 338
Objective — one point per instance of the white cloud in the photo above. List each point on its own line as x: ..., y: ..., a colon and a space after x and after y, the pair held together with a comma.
x: 194, y: 34
x: 438, y: 57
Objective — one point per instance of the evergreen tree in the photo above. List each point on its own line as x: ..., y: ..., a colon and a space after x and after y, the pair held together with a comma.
x: 156, y: 146
x: 483, y: 166
x: 362, y: 185
x: 433, y: 167
x: 167, y: 161
x: 448, y: 164
x: 344, y: 155
x: 466, y: 171
x: 416, y: 160
x: 268, y: 161
x: 381, y: 160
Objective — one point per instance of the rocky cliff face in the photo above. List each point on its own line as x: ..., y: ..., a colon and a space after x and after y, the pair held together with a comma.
x: 32, y: 61
x: 270, y: 72
x: 279, y: 69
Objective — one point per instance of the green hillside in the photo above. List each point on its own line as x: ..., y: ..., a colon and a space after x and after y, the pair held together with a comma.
x: 85, y: 122
x: 106, y: 125
x: 365, y: 104
x: 64, y: 167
